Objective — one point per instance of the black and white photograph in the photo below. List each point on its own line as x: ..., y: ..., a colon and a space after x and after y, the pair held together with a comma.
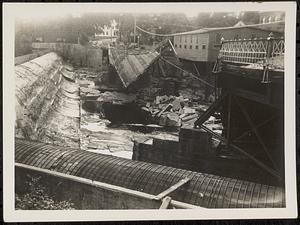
x: 176, y: 109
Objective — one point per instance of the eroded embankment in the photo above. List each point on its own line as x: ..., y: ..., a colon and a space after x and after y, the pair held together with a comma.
x: 47, y: 102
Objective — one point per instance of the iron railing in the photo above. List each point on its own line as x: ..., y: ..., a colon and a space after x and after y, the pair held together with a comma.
x: 250, y: 51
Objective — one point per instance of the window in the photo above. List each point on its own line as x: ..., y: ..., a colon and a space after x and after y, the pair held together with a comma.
x: 191, y: 46
x: 253, y: 36
x: 236, y: 37
x: 270, y: 19
x: 218, y: 38
x: 175, y: 45
x: 191, y: 39
x: 264, y: 20
x: 184, y: 38
x: 196, y: 47
x: 179, y: 46
x: 203, y: 46
x: 185, y: 46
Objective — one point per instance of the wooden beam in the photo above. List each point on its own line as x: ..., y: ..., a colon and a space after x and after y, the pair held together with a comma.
x: 172, y: 188
x: 165, y: 203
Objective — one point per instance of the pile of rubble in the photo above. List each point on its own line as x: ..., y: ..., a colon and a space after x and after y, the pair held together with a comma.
x: 172, y: 111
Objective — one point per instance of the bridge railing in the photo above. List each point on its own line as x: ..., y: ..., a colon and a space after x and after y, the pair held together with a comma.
x: 249, y: 51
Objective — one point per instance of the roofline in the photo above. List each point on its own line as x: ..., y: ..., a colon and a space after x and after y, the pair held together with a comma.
x: 211, y: 29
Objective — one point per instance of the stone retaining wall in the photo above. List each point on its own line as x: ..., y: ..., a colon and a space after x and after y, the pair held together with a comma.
x: 47, y: 102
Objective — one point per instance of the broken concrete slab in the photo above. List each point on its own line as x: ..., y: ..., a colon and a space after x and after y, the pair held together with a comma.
x: 116, y: 97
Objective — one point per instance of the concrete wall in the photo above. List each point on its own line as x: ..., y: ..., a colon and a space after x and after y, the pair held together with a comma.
x: 77, y: 54
x: 28, y: 57
x: 47, y: 104
x: 184, y: 154
x: 194, y: 152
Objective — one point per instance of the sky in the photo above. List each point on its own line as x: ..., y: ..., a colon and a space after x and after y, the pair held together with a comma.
x: 43, y: 10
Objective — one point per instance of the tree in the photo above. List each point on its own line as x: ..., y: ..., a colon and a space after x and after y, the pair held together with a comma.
x: 38, y: 199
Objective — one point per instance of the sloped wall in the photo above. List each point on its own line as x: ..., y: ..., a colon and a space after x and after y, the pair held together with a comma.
x: 47, y: 102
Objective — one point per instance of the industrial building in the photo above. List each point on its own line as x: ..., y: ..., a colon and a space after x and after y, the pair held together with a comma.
x: 203, y: 45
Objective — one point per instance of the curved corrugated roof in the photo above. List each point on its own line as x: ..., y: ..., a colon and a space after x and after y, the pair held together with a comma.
x: 204, y: 190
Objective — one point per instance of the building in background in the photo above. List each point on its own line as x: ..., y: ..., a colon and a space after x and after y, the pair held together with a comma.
x: 199, y: 49
x: 203, y: 45
x: 269, y: 17
x: 273, y: 20
x: 108, y: 32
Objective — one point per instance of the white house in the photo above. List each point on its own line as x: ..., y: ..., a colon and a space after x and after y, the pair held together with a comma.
x: 108, y: 32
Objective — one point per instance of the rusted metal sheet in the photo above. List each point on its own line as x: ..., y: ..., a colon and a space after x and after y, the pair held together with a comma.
x: 205, y: 190
x: 128, y: 65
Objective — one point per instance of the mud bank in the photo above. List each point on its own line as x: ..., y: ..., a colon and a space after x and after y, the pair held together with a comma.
x: 47, y: 102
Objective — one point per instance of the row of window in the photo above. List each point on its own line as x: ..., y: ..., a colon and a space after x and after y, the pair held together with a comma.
x: 271, y: 19
x: 191, y: 46
x: 185, y: 38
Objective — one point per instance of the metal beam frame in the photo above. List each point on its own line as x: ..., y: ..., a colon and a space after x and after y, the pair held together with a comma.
x: 250, y: 122
x: 209, y: 111
x: 252, y: 158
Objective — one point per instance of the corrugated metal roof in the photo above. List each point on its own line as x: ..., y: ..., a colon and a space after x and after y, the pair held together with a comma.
x: 205, y: 190
x: 131, y: 65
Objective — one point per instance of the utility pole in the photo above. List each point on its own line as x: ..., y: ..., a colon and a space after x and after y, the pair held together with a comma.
x: 134, y: 29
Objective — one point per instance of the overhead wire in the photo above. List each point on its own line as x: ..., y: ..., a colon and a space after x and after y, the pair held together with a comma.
x: 187, y: 72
